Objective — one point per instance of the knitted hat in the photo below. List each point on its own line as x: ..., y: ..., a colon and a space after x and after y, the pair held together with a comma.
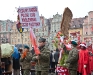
x: 73, y: 43
x: 26, y: 47
x: 42, y: 40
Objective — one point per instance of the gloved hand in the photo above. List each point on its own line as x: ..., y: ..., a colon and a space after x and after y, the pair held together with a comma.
x: 85, y: 66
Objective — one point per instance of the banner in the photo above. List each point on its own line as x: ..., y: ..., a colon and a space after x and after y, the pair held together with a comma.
x: 62, y: 71
x: 29, y: 17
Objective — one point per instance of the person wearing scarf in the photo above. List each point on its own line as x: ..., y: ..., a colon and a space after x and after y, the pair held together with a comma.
x: 16, y: 61
x: 26, y: 59
x: 83, y: 60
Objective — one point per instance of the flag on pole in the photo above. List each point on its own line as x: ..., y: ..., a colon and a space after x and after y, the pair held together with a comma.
x: 33, y: 42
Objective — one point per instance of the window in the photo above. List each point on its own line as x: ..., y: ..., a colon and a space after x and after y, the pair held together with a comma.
x: 91, y: 19
x: 79, y: 21
x: 25, y: 39
x: 91, y: 32
x: 18, y: 35
x: 36, y: 30
x: 25, y: 34
x: 27, y: 29
x: 7, y: 40
x: 12, y: 40
x: 86, y: 33
x: 18, y: 40
x: 15, y: 40
x: 55, y: 30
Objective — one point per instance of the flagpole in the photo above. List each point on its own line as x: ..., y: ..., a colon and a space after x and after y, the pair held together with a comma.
x: 30, y: 39
x: 22, y: 40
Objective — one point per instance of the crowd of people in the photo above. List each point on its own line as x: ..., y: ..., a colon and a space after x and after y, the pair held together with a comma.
x: 26, y: 57
x: 80, y: 60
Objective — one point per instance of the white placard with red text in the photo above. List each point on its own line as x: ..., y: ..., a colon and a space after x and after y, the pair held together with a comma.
x: 62, y: 71
x: 29, y: 17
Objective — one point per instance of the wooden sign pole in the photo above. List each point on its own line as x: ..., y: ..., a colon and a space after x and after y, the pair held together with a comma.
x: 22, y: 40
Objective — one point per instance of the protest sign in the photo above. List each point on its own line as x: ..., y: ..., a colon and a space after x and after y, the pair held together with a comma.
x: 29, y: 17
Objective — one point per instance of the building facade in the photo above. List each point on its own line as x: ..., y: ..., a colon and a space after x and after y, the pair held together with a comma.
x: 76, y: 34
x: 44, y: 30
x: 76, y: 29
x: 5, y: 31
x: 88, y: 28
x: 55, y: 27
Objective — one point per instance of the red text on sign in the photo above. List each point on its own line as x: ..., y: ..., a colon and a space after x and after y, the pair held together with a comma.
x: 22, y: 10
x: 31, y: 24
x: 32, y: 14
x: 25, y: 14
x: 34, y: 24
x: 28, y: 19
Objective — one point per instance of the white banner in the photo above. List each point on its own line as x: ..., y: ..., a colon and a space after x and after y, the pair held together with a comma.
x: 29, y: 17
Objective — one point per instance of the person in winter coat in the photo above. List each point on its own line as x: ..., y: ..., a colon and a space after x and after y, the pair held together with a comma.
x: 21, y: 51
x: 53, y: 62
x: 16, y: 66
x: 83, y: 61
x: 90, y: 65
x: 56, y: 57
x: 73, y: 59
x: 50, y: 61
x: 0, y: 71
x: 32, y: 65
x: 16, y: 61
x: 43, y: 59
x: 26, y: 59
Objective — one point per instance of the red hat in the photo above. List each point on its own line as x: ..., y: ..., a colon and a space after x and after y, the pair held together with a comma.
x: 83, y: 44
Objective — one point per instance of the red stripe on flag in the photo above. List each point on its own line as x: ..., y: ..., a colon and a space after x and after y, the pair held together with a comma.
x: 33, y: 41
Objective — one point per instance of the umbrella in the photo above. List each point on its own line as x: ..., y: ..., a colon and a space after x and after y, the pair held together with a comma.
x: 6, y: 50
x: 16, y: 53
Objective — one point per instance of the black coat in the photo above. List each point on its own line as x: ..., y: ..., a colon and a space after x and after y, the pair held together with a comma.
x: 6, y: 61
x: 32, y: 51
x: 56, y: 56
x: 0, y: 71
x: 16, y: 63
x: 51, y: 57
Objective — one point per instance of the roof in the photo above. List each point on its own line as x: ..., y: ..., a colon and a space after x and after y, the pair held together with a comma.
x: 77, y: 23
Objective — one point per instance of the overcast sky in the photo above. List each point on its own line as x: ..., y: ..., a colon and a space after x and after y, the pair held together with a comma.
x: 47, y: 8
